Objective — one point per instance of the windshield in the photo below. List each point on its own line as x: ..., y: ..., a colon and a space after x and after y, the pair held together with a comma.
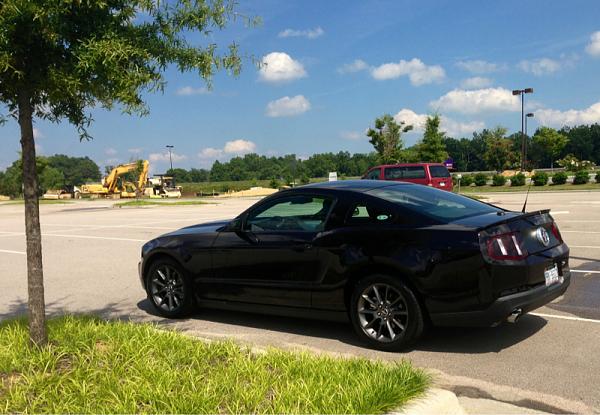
x: 437, y: 204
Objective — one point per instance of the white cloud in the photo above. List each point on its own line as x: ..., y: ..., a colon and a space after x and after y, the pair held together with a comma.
x: 110, y: 151
x: 476, y: 82
x: 164, y: 157
x: 538, y: 67
x: 476, y: 101
x: 190, y: 90
x: 239, y: 147
x: 352, y: 135
x: 135, y: 150
x: 356, y: 66
x: 308, y: 33
x: 231, y: 148
x: 210, y: 153
x: 287, y: 107
x: 593, y: 48
x: 418, y: 72
x: 278, y: 67
x: 557, y: 118
x: 479, y: 66
x: 37, y: 133
x: 450, y: 126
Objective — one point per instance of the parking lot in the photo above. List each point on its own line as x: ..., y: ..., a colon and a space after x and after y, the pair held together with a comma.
x: 548, y: 360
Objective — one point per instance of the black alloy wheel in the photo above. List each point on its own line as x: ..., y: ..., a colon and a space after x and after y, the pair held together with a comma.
x: 169, y: 289
x: 385, y: 313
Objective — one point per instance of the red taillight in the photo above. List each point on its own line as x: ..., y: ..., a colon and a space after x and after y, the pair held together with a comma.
x: 506, y: 246
x: 556, y: 232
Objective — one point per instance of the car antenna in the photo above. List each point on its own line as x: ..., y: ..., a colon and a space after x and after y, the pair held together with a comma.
x: 526, y: 197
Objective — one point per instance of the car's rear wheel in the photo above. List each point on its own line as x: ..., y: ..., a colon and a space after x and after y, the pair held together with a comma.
x: 168, y: 288
x: 386, y: 313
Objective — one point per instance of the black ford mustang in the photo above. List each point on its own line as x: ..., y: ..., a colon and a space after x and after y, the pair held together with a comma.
x: 390, y: 257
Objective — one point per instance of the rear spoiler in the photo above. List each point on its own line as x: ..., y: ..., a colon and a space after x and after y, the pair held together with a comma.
x: 521, y: 216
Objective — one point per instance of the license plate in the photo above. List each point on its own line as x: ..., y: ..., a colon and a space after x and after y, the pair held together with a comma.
x: 442, y: 184
x: 551, y: 275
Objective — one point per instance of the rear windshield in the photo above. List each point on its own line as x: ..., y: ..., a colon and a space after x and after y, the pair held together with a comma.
x: 404, y: 172
x: 440, y: 205
x: 439, y: 171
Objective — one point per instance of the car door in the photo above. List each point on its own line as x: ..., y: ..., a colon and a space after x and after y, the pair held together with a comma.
x: 270, y: 258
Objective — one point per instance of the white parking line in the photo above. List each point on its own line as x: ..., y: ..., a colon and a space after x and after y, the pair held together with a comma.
x: 6, y: 251
x: 588, y: 320
x: 585, y: 246
x: 561, y: 231
x: 95, y: 237
x: 559, y: 212
x: 584, y: 271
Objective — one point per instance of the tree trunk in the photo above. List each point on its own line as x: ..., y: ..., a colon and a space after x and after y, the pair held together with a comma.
x: 35, y: 273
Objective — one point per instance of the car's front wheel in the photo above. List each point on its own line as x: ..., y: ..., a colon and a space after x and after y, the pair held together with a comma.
x: 386, y: 313
x: 168, y: 288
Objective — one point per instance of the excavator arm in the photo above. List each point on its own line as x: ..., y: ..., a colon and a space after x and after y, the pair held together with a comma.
x: 111, y: 181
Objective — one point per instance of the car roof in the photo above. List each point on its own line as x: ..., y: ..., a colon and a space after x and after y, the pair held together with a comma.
x: 360, y: 186
x: 408, y: 164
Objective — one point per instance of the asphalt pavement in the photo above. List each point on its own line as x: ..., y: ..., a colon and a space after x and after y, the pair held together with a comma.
x: 547, y: 361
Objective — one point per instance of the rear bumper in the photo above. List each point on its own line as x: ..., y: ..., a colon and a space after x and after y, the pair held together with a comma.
x: 500, y: 309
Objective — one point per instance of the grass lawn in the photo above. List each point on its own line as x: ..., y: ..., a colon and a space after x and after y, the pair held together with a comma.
x: 41, y: 201
x: 95, y: 366
x: 145, y: 202
x: 547, y: 188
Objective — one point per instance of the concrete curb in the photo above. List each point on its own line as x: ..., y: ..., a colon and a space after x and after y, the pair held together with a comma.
x: 435, y: 401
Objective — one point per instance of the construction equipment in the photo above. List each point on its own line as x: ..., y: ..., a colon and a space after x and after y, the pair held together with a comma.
x: 161, y: 186
x: 114, y: 186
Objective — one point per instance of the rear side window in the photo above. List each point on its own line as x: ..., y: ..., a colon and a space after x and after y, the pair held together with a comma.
x: 439, y: 171
x: 372, y: 175
x: 436, y: 204
x: 405, y: 172
x: 362, y: 213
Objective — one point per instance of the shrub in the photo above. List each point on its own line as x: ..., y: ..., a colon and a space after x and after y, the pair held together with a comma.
x: 597, y: 176
x: 480, y: 179
x: 498, y: 180
x: 274, y: 184
x: 559, y: 178
x: 581, y: 177
x: 467, y: 180
x: 540, y: 178
x: 572, y: 163
x: 518, y: 180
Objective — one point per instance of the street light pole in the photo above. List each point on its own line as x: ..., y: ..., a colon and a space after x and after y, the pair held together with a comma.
x: 170, y: 158
x: 522, y: 93
x: 528, y: 115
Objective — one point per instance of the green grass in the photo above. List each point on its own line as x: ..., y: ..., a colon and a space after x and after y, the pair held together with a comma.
x: 547, y: 188
x: 41, y: 201
x: 97, y: 366
x: 134, y: 203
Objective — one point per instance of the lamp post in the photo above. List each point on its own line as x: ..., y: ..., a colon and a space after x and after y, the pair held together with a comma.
x: 170, y: 158
x: 528, y: 115
x: 522, y: 93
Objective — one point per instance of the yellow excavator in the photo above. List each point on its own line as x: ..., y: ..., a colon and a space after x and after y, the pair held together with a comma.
x: 114, y: 186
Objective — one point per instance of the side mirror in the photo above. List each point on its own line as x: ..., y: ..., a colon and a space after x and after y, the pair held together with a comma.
x: 234, y: 226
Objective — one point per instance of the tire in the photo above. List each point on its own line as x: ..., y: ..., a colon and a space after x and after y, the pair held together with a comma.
x: 169, y: 289
x: 393, y: 322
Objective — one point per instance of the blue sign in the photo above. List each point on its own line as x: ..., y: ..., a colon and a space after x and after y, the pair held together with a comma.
x: 449, y: 163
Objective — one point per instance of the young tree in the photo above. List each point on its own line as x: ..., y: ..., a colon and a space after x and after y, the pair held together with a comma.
x: 386, y: 137
x: 432, y: 147
x: 550, y: 142
x: 498, y: 154
x: 59, y: 57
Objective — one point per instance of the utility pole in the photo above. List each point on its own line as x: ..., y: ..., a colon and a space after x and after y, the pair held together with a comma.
x: 522, y: 93
x: 528, y: 115
x: 170, y: 158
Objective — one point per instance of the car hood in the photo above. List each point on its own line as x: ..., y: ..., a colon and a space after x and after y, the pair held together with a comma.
x: 207, y: 227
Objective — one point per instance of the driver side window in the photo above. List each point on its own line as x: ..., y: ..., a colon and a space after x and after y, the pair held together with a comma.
x: 292, y: 213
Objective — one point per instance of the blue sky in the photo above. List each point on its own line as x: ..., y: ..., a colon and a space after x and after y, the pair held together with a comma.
x: 334, y: 66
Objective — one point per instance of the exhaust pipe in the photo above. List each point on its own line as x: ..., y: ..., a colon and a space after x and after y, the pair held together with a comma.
x: 514, y: 316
